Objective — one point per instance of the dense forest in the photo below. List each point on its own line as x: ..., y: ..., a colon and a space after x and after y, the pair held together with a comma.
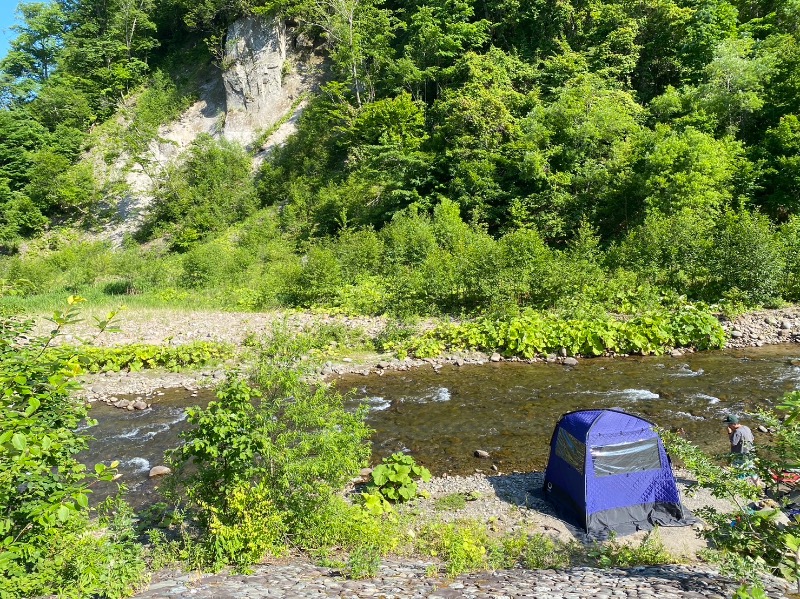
x: 462, y: 156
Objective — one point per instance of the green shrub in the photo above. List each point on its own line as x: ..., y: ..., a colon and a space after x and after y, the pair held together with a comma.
x: 747, y: 257
x: 363, y: 562
x: 614, y: 554
x: 286, y: 450
x: 214, y: 264
x: 318, y: 280
x: 533, y: 333
x: 361, y: 253
x: 48, y: 544
x: 670, y: 251
x: 395, y: 478
x: 534, y: 552
x: 211, y: 189
x: 464, y: 546
x: 789, y: 236
x: 544, y: 553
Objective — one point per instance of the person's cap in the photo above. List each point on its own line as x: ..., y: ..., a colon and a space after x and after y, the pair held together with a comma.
x: 732, y: 419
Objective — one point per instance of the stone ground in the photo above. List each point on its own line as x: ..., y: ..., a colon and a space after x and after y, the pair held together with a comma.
x: 409, y: 580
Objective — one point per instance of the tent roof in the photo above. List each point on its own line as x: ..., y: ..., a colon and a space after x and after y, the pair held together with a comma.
x: 584, y: 423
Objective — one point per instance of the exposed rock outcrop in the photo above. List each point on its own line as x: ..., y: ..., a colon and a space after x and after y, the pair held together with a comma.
x: 261, y: 86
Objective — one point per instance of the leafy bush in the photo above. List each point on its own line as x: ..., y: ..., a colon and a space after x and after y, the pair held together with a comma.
x: 139, y: 356
x: 49, y: 545
x: 396, y: 478
x: 282, y: 448
x: 533, y: 333
x: 464, y: 546
x: 212, y: 188
x: 746, y: 257
x: 614, y: 554
x: 790, y: 240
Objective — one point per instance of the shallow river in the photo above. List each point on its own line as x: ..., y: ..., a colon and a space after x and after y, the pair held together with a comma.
x: 507, y: 409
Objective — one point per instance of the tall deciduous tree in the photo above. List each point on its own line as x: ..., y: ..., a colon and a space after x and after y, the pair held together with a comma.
x: 108, y: 46
x: 33, y: 52
x: 359, y: 34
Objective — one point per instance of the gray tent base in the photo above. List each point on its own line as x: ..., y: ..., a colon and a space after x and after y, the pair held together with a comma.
x: 630, y: 519
x: 620, y: 521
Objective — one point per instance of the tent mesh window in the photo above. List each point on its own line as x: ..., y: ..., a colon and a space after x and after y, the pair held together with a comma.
x: 569, y: 449
x: 624, y: 458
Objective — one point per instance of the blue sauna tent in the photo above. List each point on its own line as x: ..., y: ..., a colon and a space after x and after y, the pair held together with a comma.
x: 609, y: 471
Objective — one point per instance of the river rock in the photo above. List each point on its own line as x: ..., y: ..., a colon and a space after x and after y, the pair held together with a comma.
x: 763, y: 428
x: 676, y: 353
x: 383, y: 364
x: 786, y: 325
x: 496, y: 357
x: 122, y: 403
x: 570, y: 362
x: 159, y: 471
x: 139, y: 405
x: 480, y: 453
x: 736, y: 334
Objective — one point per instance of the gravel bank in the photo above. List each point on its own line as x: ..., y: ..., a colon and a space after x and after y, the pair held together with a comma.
x: 506, y: 503
x: 178, y: 327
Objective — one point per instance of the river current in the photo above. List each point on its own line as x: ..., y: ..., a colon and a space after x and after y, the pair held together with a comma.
x: 508, y: 409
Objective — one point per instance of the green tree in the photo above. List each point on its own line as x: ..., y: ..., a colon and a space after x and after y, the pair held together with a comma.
x: 211, y: 188
x: 32, y: 55
x: 437, y: 35
x: 578, y: 160
x: 689, y: 169
x: 359, y: 34
x: 20, y: 135
x: 107, y: 46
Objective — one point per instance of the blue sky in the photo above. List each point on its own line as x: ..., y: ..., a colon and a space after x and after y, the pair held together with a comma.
x: 7, y: 11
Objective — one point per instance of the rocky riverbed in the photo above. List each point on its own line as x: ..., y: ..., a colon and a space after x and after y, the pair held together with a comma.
x: 764, y: 327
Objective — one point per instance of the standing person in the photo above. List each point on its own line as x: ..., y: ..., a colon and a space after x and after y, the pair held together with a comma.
x: 740, y: 436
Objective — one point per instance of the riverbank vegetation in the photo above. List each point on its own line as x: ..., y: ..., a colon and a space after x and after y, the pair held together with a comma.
x: 49, y: 544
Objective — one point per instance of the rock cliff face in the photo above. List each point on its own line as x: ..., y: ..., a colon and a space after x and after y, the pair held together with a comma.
x: 263, y: 79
